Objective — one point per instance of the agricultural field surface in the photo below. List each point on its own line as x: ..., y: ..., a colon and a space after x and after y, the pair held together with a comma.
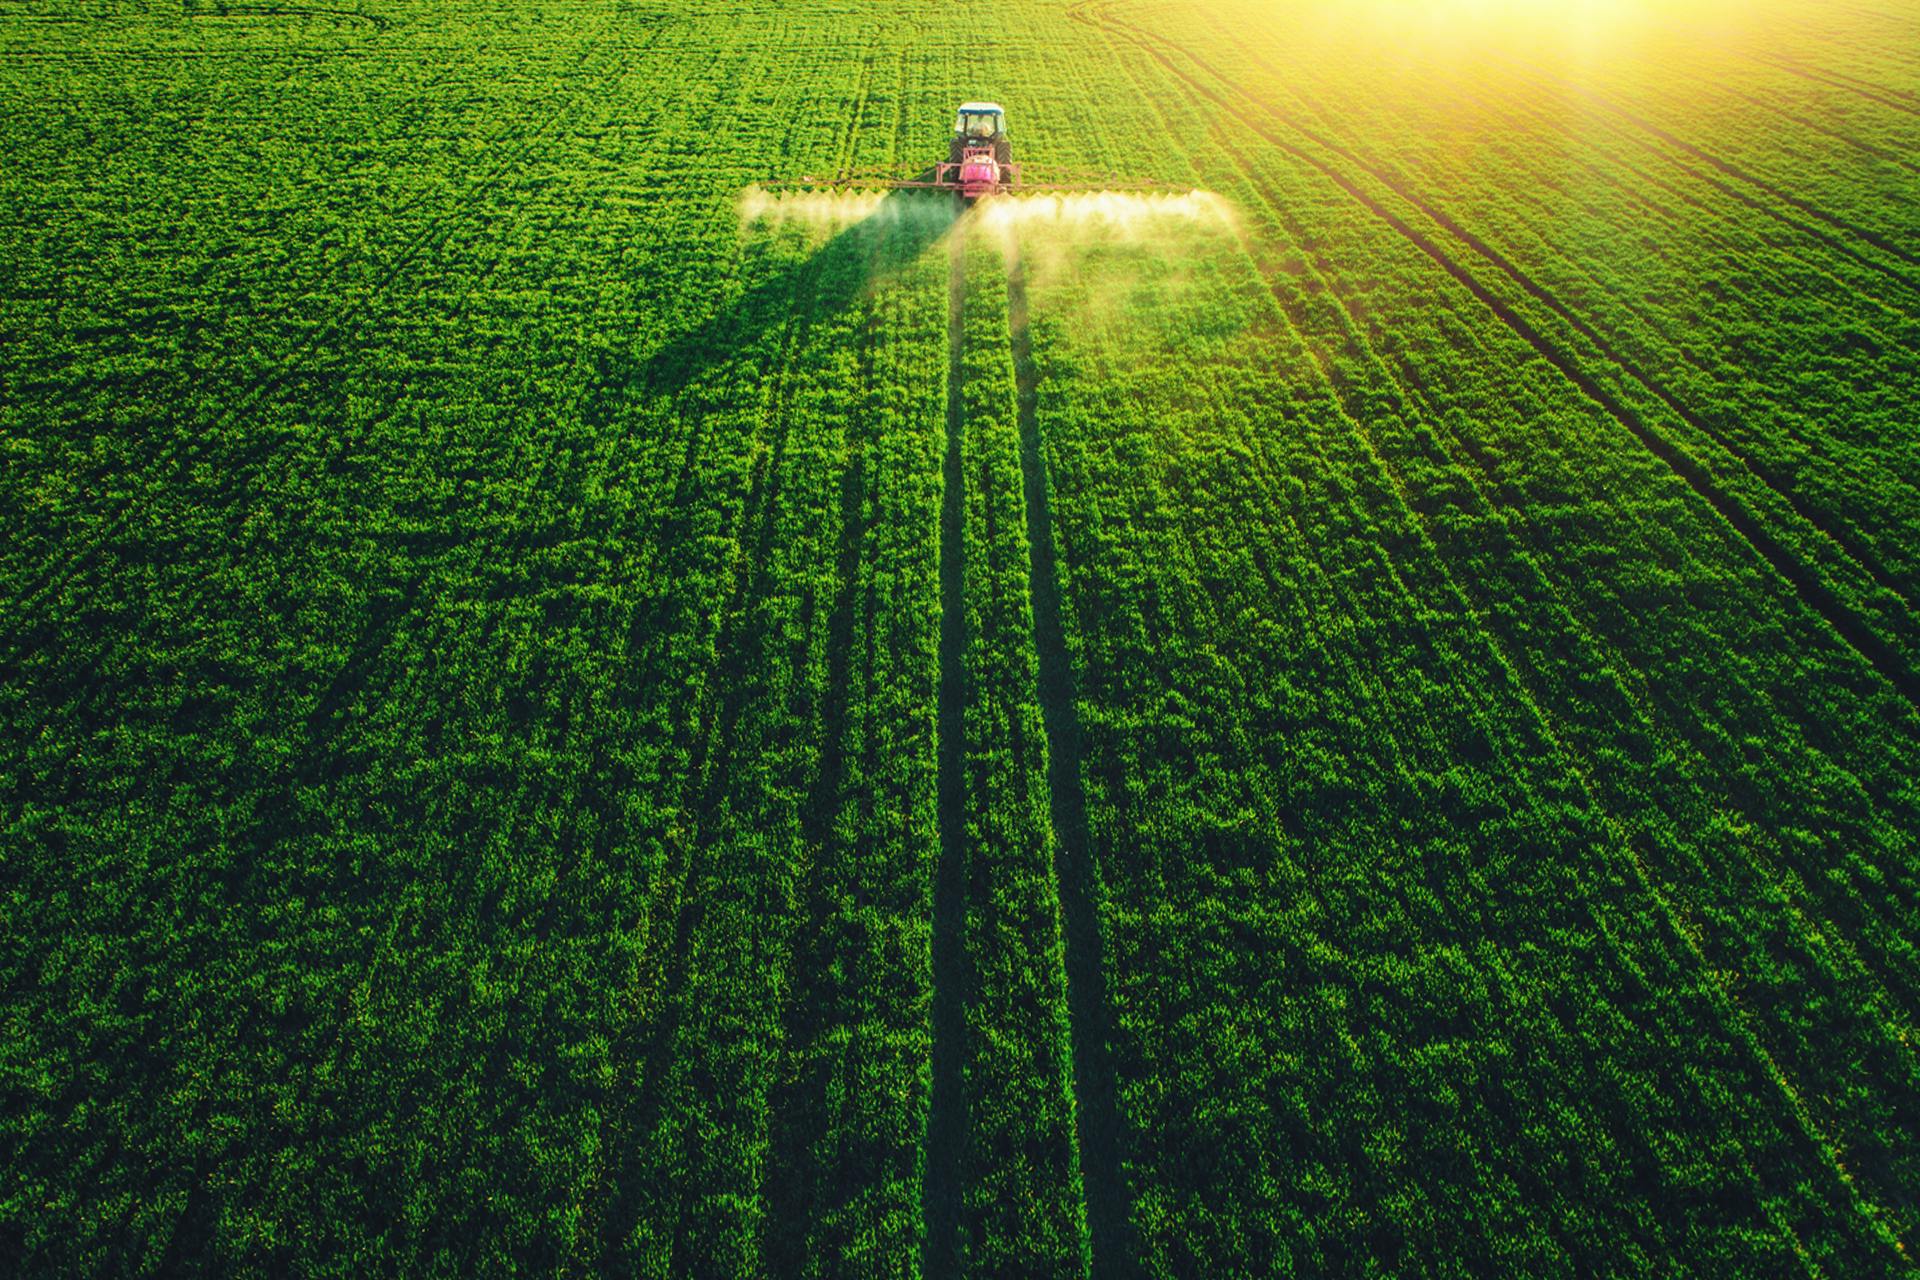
x: 589, y: 689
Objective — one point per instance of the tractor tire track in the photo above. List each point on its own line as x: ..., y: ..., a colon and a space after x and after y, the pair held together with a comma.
x: 1893, y: 99
x: 1807, y: 584
x: 1090, y: 1023
x: 1860, y: 554
x: 798, y: 1180
x: 1832, y: 244
x: 1575, y: 764
x: 1341, y: 395
x: 720, y: 704
x: 658, y: 1016
x: 351, y: 17
x: 1816, y: 1129
x: 1815, y: 1126
x: 1639, y: 189
x: 850, y: 140
x: 1726, y: 168
x: 1485, y: 485
x: 947, y: 1126
x: 1827, y: 131
x: 1645, y: 181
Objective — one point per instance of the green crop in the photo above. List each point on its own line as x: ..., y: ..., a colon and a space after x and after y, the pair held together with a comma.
x: 568, y: 709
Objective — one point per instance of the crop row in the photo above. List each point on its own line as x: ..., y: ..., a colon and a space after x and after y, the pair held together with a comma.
x: 1494, y: 491
x: 1024, y: 1209
x: 1378, y: 954
x: 1780, y: 332
x: 468, y: 728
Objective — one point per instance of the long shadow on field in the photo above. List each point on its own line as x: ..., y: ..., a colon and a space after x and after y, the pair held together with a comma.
x: 814, y: 1171
x: 872, y: 236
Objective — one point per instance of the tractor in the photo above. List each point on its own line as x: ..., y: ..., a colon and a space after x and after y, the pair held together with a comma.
x: 979, y: 158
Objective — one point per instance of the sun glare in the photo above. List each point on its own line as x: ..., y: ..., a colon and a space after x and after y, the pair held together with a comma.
x: 1569, y: 30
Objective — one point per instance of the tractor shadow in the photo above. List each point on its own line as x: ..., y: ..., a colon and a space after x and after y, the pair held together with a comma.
x: 868, y: 240
x: 809, y: 260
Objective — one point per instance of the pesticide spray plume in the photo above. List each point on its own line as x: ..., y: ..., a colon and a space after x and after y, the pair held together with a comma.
x: 1137, y: 244
x: 1121, y: 213
x: 1052, y: 224
x: 1135, y: 236
x: 1118, y: 214
x: 837, y: 210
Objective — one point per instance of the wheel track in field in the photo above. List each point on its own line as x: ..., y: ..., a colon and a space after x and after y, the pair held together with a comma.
x: 794, y: 1184
x: 1885, y: 16
x: 1894, y: 99
x: 1389, y: 474
x: 1792, y: 66
x: 1825, y: 237
x: 216, y: 9
x: 1639, y: 182
x: 1810, y: 1117
x: 1852, y: 547
x: 1806, y: 583
x: 1828, y: 131
x: 802, y: 1185
x: 798, y: 1181
x: 1737, y: 1021
x: 1812, y: 919
x: 792, y: 293
x: 179, y: 455
x: 654, y: 1038
x: 1907, y: 289
x: 1745, y: 199
x: 1728, y: 169
x: 941, y: 1193
x: 1248, y: 175
x: 1090, y: 1023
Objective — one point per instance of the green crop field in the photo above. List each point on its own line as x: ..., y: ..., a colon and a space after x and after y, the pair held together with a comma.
x: 1340, y: 697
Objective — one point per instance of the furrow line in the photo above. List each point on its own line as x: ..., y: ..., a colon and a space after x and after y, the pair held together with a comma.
x: 1095, y: 1087
x: 1826, y: 131
x: 1728, y: 169
x: 1734, y: 1017
x: 795, y: 1184
x: 1889, y: 98
x: 1875, y: 569
x: 719, y: 702
x: 1820, y: 598
x: 941, y: 1189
